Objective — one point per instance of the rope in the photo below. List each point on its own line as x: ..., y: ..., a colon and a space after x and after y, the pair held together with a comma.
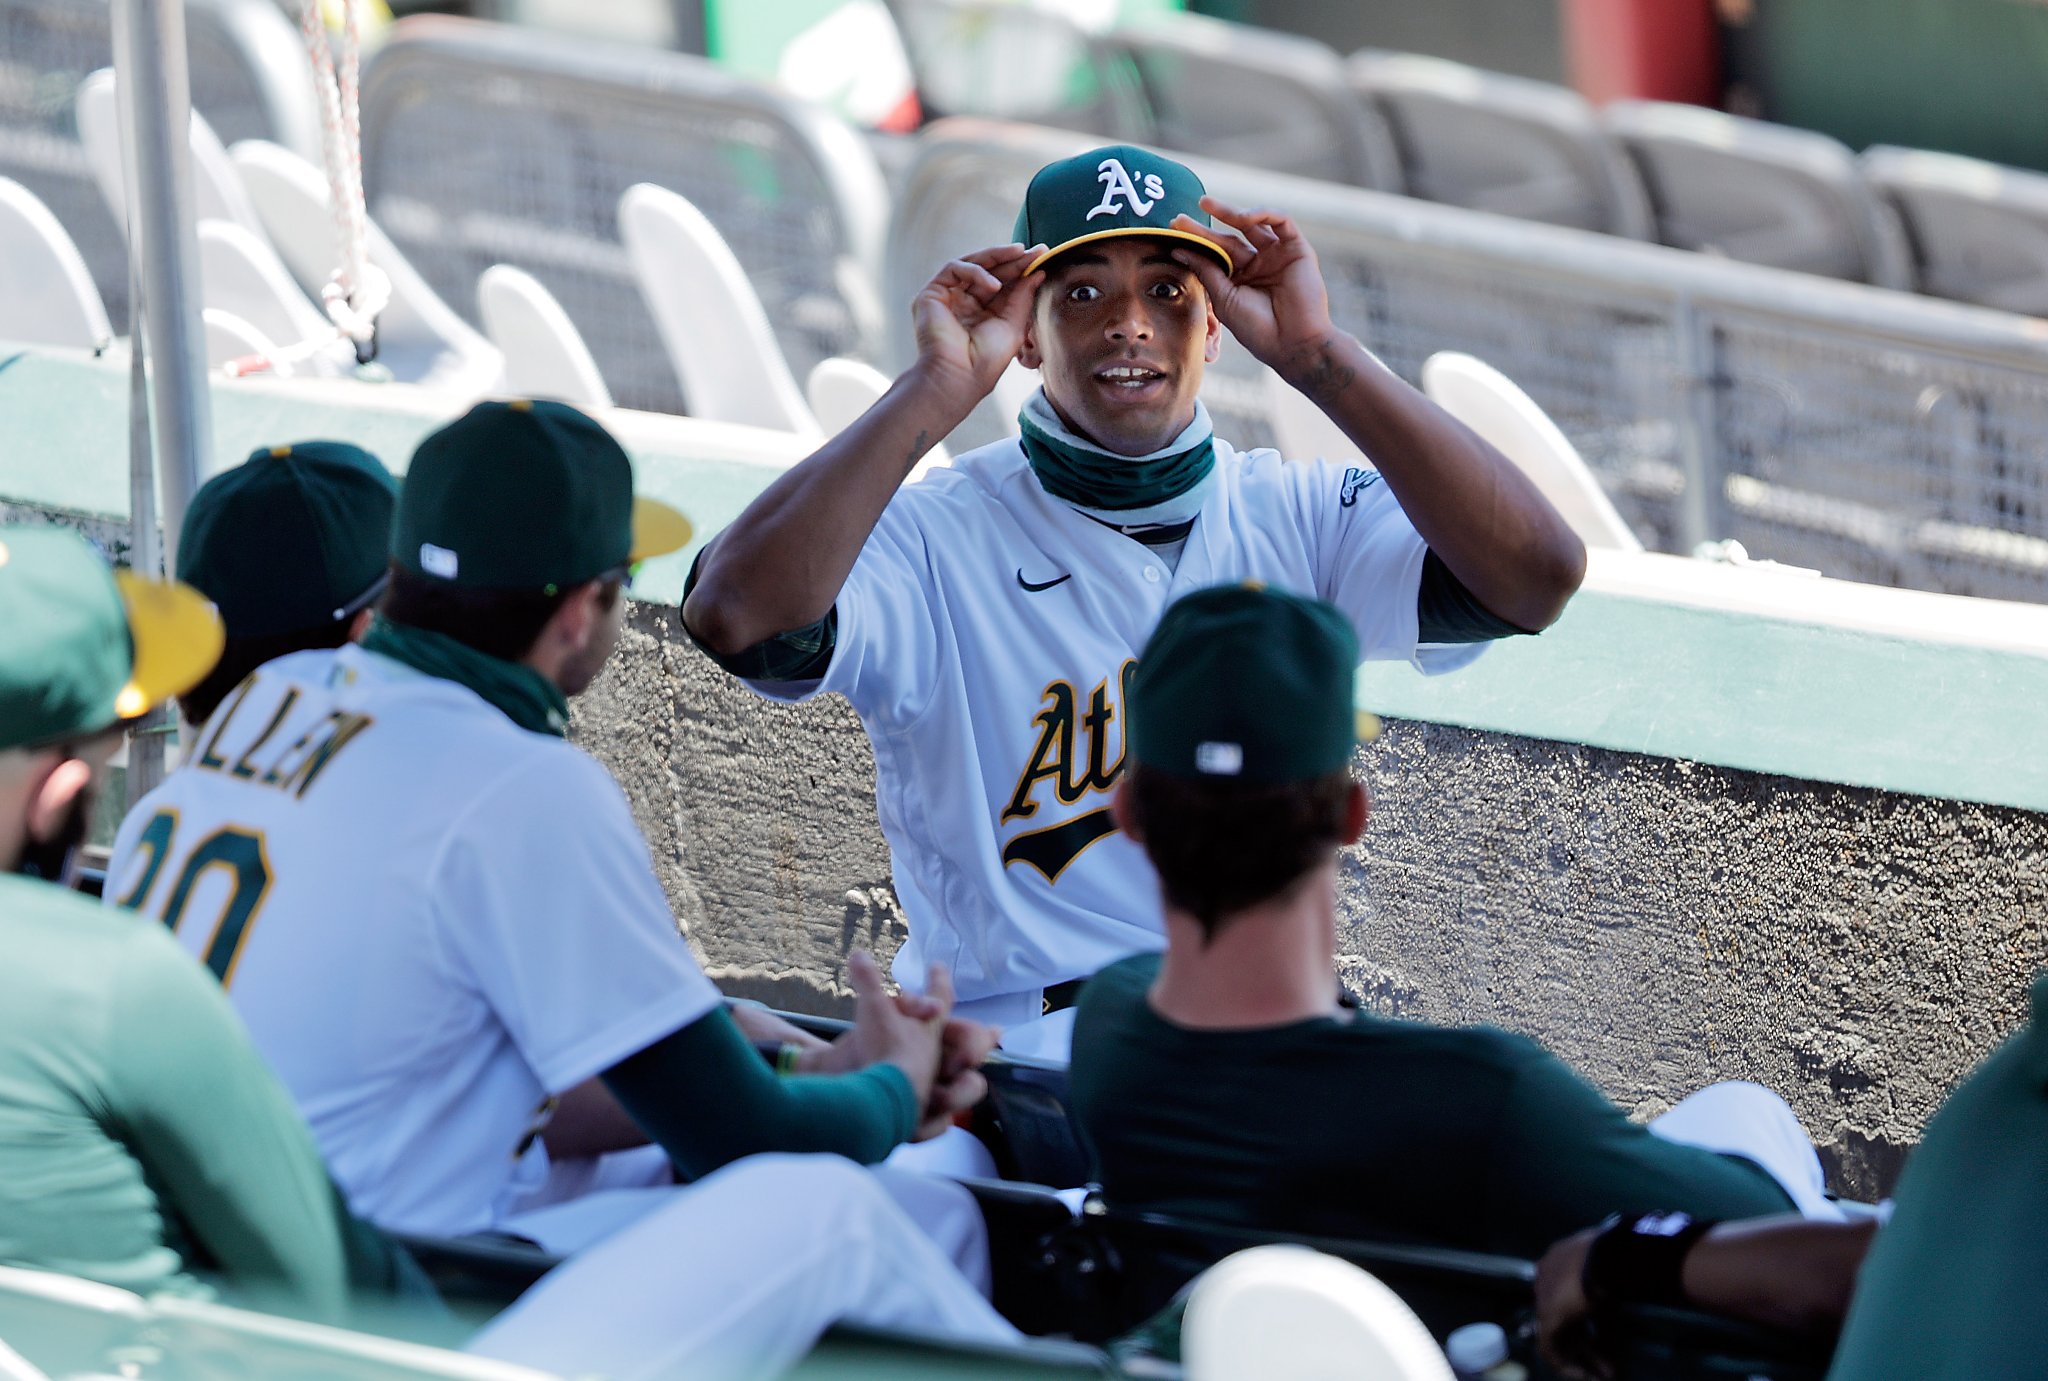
x: 358, y: 291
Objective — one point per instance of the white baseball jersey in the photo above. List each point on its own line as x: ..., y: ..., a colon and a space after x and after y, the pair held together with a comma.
x: 430, y: 919
x: 986, y: 636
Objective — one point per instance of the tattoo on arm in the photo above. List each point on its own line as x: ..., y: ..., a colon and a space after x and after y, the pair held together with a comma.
x: 1320, y: 375
x: 918, y: 448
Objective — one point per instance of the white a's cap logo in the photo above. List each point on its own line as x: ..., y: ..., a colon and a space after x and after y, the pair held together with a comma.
x: 438, y: 561
x: 1219, y: 759
x: 1117, y: 183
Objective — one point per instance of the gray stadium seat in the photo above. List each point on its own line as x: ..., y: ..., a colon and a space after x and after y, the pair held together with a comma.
x: 1255, y: 96
x: 249, y: 75
x: 1006, y: 61
x: 1978, y: 231
x: 1758, y: 192
x: 1492, y: 142
x: 486, y: 144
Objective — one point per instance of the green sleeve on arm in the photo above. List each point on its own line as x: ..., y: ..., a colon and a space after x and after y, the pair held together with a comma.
x: 1447, y: 612
x: 1565, y: 1157
x: 802, y: 654
x: 705, y: 1094
x: 220, y: 1138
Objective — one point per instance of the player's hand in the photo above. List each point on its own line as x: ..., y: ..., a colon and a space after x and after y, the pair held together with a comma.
x: 885, y: 1033
x: 1563, y: 1314
x: 1273, y: 302
x: 970, y: 319
x: 963, y: 1046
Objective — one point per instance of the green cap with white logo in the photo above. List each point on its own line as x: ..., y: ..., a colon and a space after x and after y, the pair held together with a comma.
x: 526, y: 495
x: 1250, y: 684
x: 1116, y: 190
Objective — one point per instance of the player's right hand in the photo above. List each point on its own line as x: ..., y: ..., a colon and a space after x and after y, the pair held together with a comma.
x: 885, y: 1032
x: 970, y: 318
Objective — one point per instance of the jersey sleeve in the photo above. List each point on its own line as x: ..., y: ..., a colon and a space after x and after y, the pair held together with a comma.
x: 218, y: 1134
x: 547, y: 905
x: 884, y: 640
x: 1368, y: 560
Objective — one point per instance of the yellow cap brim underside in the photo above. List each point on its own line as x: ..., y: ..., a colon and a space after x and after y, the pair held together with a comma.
x: 657, y: 529
x: 177, y: 635
x: 1122, y: 231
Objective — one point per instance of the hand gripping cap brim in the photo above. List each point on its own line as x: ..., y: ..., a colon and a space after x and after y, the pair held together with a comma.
x: 1107, y: 193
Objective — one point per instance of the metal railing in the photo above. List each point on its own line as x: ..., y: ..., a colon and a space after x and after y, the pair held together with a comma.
x: 248, y: 78
x: 1875, y: 435
x: 487, y: 144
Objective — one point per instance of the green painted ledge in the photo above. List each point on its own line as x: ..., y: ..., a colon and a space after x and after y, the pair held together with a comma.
x: 1815, y: 680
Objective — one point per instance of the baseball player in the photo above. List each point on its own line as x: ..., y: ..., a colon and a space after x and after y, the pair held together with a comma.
x: 290, y: 547
x: 1222, y: 1080
x: 984, y: 621
x: 144, y: 1143
x: 438, y: 918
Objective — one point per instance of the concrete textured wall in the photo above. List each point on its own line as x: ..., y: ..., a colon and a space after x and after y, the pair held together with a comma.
x: 1660, y: 924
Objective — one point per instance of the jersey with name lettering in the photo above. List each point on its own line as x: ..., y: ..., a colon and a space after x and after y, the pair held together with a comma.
x: 987, y: 635
x: 430, y: 919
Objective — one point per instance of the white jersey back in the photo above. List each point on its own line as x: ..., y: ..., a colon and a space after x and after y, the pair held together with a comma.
x: 986, y: 635
x: 430, y: 919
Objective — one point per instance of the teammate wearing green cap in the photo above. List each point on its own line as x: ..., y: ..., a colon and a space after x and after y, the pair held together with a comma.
x: 1222, y: 1080
x: 984, y: 620
x: 290, y: 547
x: 438, y: 917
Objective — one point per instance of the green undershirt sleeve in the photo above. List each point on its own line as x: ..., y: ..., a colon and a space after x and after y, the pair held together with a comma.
x: 220, y: 1139
x: 801, y: 654
x: 707, y: 1097
x: 1447, y: 612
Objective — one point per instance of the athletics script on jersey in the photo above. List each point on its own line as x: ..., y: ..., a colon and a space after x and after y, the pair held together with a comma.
x: 1069, y: 762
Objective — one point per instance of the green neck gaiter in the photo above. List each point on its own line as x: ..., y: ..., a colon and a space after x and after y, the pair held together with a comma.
x: 1145, y: 488
x: 528, y: 698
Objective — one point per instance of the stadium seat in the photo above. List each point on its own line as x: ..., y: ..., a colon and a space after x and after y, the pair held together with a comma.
x: 46, y: 294
x: 217, y: 193
x: 419, y: 339
x: 242, y: 276
x: 1758, y: 192
x: 1255, y: 96
x: 711, y: 321
x: 545, y: 356
x: 1283, y: 1310
x: 1029, y: 63
x: 840, y: 390
x: 1493, y: 142
x: 1490, y: 404
x: 1978, y: 232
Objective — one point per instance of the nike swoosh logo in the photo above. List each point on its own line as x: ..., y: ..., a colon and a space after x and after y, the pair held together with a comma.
x: 1043, y: 584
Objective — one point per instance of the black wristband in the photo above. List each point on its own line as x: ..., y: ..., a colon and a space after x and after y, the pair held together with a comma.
x: 1641, y: 1259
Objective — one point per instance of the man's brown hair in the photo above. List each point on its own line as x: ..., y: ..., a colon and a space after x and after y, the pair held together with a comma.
x: 1220, y: 846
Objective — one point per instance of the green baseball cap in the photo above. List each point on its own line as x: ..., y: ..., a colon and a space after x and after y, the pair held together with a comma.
x: 1249, y: 684
x: 526, y: 495
x: 293, y: 539
x: 1119, y: 189
x: 83, y: 647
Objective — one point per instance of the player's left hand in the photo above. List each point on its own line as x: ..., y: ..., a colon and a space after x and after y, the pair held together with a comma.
x: 1563, y: 1312
x: 960, y: 1084
x: 1274, y: 302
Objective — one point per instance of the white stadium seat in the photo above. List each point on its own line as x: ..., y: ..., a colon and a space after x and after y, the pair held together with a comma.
x: 420, y: 339
x: 545, y: 356
x: 840, y: 390
x: 710, y: 319
x: 245, y: 279
x: 46, y: 293
x: 217, y: 193
x: 1491, y: 404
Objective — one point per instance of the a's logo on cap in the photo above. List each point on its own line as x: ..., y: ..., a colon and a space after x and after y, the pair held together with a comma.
x: 1219, y: 759
x: 1116, y: 182
x: 438, y: 561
